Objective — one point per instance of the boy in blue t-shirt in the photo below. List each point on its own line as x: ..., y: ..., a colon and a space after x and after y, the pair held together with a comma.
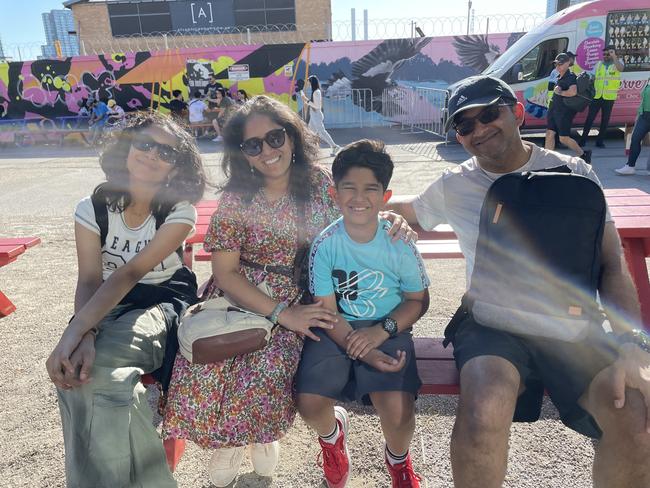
x: 379, y: 289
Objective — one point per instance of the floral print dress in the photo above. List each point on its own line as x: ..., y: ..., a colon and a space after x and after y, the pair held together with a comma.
x: 249, y: 398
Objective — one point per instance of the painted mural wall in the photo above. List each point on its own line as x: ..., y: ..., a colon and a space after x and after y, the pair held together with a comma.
x: 56, y: 87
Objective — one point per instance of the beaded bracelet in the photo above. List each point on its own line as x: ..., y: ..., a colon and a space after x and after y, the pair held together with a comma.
x: 273, y: 318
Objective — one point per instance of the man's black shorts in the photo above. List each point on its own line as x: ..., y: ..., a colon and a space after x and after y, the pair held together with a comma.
x: 325, y: 369
x: 564, y: 369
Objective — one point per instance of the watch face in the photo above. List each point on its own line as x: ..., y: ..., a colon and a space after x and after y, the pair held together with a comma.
x: 390, y: 326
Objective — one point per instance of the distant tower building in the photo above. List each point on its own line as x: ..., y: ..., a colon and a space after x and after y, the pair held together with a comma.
x: 554, y: 6
x: 57, y: 24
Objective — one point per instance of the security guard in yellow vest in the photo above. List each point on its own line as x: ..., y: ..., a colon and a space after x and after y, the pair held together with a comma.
x: 607, y: 82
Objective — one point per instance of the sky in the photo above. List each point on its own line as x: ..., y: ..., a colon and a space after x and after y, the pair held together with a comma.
x: 22, y: 24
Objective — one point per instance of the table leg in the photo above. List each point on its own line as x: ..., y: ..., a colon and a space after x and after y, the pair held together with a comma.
x: 6, y: 307
x: 635, y: 257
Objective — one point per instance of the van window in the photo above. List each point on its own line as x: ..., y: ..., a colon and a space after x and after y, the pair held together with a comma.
x: 537, y: 63
x: 628, y: 30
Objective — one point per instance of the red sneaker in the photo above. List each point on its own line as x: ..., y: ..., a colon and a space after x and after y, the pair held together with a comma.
x: 402, y: 474
x: 336, y: 458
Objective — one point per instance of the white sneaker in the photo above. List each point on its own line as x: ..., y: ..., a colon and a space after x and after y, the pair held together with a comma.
x: 626, y: 170
x: 224, y: 465
x: 265, y: 457
x: 217, y: 139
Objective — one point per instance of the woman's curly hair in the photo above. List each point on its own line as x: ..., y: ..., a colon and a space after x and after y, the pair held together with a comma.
x: 187, y: 184
x: 235, y: 166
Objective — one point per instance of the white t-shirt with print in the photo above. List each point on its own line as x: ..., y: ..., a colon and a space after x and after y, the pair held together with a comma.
x: 123, y: 242
x: 456, y: 197
x: 196, y: 108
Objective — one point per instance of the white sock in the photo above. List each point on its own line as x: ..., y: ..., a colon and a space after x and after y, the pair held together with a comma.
x: 331, y: 438
x: 394, y: 459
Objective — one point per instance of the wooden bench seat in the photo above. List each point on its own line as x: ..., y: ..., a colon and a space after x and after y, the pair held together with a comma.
x: 436, y: 367
x: 429, y: 249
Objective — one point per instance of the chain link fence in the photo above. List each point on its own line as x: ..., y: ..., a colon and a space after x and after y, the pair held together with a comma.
x: 292, y: 33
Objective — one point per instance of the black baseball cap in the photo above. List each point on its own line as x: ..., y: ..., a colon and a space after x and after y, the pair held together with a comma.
x: 477, y: 91
x: 562, y: 58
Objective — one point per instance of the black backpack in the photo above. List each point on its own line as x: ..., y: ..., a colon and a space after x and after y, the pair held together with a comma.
x: 538, y: 255
x: 586, y: 93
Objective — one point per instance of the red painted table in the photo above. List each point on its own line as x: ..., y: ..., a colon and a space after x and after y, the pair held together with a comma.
x: 630, y: 209
x: 10, y: 249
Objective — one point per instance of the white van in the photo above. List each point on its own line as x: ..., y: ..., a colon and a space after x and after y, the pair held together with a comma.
x: 584, y: 29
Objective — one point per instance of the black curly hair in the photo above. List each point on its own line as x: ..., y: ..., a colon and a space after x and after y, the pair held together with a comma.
x: 305, y: 148
x: 187, y: 184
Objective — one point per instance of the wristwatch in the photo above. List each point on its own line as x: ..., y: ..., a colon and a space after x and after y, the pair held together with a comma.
x: 638, y: 337
x: 390, y: 325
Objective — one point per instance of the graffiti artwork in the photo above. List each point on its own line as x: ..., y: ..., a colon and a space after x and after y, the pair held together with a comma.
x: 51, y: 88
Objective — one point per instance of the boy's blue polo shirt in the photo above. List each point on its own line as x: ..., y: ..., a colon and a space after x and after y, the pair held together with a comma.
x: 369, y: 278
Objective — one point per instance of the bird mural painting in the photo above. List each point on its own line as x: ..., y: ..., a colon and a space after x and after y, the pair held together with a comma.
x: 373, y: 72
x: 475, y: 51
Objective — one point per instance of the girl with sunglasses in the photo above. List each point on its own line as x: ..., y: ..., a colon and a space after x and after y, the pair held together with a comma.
x: 132, y: 287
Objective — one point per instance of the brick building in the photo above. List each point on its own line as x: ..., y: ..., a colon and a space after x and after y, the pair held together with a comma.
x: 134, y: 25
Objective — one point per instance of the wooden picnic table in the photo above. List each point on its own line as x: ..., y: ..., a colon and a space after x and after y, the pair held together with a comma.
x: 10, y: 249
x: 630, y: 208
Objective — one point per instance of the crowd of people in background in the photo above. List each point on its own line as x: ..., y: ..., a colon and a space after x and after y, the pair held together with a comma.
x: 208, y: 109
x: 563, y: 85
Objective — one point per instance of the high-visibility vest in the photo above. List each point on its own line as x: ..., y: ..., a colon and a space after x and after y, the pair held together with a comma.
x: 607, y: 82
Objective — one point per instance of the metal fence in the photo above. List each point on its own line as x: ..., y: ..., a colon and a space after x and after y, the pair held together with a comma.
x: 350, y: 108
x: 338, y: 30
x: 418, y: 108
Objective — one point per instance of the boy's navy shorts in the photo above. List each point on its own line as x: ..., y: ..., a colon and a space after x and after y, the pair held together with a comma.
x: 325, y: 369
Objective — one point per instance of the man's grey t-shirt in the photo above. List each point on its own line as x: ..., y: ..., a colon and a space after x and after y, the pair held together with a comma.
x: 457, y: 196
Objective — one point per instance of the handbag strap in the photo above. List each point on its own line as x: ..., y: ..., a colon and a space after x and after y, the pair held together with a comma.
x: 268, y: 268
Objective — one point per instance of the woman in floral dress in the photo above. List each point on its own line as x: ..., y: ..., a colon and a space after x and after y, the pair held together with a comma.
x: 273, y: 188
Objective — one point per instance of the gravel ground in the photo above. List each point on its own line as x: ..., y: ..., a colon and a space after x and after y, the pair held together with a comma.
x: 38, y: 191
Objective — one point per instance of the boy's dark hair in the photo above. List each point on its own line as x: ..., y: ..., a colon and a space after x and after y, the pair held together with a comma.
x: 197, y: 94
x: 365, y: 153
x: 175, y: 93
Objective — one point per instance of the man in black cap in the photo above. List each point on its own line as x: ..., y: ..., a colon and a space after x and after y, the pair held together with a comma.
x: 559, y: 116
x: 502, y: 374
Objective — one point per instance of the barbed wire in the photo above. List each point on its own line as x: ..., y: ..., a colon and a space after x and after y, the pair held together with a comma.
x: 292, y: 33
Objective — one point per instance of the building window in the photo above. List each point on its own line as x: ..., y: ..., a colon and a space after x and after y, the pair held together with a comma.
x: 264, y: 12
x: 129, y: 19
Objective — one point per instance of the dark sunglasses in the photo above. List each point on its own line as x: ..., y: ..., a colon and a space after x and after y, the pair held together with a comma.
x: 466, y: 126
x: 165, y: 152
x: 274, y: 138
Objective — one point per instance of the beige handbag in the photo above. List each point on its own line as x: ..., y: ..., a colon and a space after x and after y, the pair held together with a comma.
x: 217, y: 329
